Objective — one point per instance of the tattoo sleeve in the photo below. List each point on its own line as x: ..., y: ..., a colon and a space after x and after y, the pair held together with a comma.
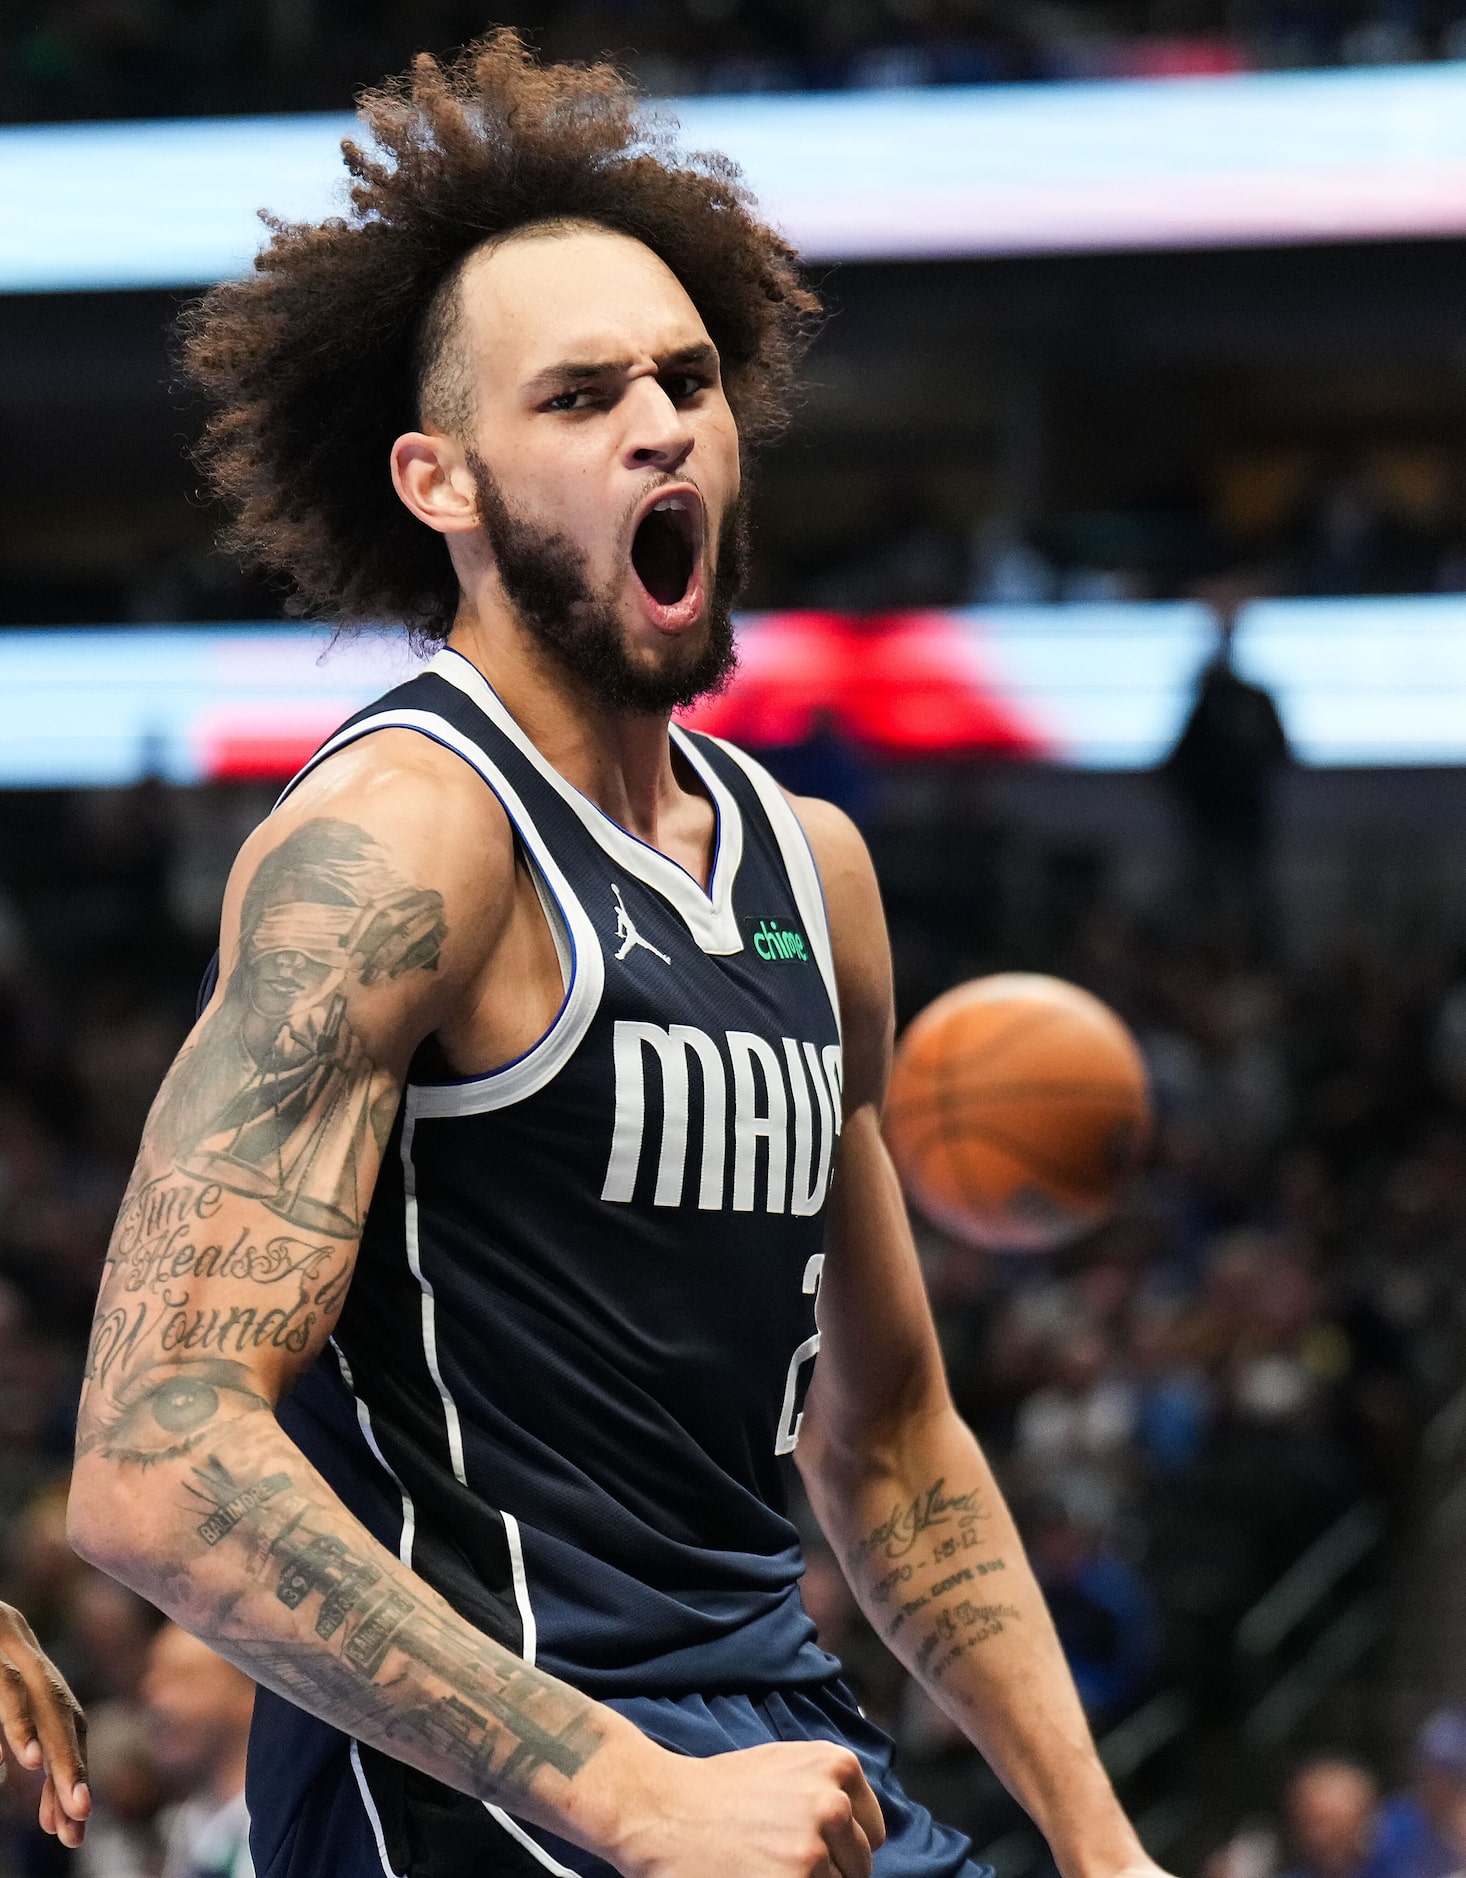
x: 228, y: 1267
x: 932, y: 1580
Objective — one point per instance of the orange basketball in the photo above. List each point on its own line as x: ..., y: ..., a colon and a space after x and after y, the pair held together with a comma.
x: 1018, y: 1108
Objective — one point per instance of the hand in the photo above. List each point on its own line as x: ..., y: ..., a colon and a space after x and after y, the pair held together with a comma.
x: 788, y: 1810
x: 42, y: 1725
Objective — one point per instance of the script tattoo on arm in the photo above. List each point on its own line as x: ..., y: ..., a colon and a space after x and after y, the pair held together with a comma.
x: 234, y: 1239
x: 228, y: 1268
x: 921, y: 1566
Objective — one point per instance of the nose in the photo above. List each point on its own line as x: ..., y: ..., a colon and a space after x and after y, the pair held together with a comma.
x: 659, y: 435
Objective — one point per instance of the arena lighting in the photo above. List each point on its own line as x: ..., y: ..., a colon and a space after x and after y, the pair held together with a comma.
x: 900, y: 174
x: 1359, y: 683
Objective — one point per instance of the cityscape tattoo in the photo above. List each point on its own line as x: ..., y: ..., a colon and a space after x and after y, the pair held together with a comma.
x: 382, y: 1649
x: 278, y: 1101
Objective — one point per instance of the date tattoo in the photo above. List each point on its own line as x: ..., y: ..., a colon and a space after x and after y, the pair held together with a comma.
x: 913, y: 1563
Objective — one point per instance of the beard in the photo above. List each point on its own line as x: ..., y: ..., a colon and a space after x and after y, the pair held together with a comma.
x: 544, y: 577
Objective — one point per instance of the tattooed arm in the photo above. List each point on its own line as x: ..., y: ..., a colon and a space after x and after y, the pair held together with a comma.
x: 897, y: 1480
x: 381, y: 904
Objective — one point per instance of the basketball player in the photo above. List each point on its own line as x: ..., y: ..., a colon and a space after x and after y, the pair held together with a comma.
x: 463, y: 1303
x: 42, y: 1726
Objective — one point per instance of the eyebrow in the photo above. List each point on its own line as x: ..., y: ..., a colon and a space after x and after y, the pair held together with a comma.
x: 580, y: 372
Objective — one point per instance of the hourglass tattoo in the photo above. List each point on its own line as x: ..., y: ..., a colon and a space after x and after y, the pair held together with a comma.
x: 275, y: 1096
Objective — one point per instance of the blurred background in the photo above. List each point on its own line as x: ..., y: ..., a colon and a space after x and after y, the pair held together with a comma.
x: 1113, y: 576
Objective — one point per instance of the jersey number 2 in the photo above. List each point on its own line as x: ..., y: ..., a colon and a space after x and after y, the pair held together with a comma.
x: 789, y: 1422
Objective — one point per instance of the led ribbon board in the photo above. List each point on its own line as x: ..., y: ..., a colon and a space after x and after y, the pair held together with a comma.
x: 891, y: 175
x: 1372, y: 682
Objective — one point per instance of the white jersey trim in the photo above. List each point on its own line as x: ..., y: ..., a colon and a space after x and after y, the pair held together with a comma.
x: 542, y: 1062
x: 374, y: 1818
x: 799, y: 864
x: 429, y: 1297
x: 708, y: 915
x: 517, y: 1832
x: 369, y: 1434
x: 527, y: 1624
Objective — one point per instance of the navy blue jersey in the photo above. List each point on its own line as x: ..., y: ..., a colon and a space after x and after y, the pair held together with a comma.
x: 583, y: 1317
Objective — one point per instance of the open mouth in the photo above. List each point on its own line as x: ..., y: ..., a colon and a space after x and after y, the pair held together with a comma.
x: 664, y: 549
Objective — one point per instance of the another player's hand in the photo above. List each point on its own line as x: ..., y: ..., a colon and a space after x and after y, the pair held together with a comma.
x: 788, y: 1810
x: 42, y: 1725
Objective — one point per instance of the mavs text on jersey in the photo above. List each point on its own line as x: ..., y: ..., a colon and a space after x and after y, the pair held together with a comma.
x: 583, y: 1317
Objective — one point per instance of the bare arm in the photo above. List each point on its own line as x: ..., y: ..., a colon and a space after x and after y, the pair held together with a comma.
x: 42, y: 1725
x: 366, y: 914
x: 896, y: 1478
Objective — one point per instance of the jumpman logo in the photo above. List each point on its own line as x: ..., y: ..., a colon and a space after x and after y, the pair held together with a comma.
x: 626, y: 932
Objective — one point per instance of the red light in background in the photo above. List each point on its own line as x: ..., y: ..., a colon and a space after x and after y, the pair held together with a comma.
x: 903, y: 684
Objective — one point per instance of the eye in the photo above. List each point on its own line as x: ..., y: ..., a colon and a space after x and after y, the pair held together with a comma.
x: 159, y: 1417
x: 680, y: 386
x: 570, y: 400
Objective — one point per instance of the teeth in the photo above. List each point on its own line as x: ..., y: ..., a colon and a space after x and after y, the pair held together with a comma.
x: 669, y: 502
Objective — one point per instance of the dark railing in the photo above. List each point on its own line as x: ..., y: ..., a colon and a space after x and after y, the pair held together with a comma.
x: 1284, y: 1664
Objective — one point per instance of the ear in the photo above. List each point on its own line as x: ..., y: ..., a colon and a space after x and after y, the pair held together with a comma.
x: 430, y: 472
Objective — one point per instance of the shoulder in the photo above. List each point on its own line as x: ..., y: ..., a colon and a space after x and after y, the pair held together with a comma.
x: 395, y: 820
x: 411, y: 791
x: 858, y: 941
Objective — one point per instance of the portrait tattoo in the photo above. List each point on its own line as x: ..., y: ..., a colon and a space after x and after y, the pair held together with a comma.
x: 273, y: 1097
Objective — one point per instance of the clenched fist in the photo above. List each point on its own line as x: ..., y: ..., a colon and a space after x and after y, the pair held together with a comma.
x: 795, y: 1810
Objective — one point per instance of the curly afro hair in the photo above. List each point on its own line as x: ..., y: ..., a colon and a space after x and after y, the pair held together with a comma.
x: 315, y: 362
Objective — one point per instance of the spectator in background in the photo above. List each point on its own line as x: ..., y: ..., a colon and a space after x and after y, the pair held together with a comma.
x: 1421, y: 1832
x: 122, y: 1839
x: 1331, y: 1815
x: 1106, y: 1618
x: 1079, y: 1426
x: 1331, y: 1829
x: 1224, y: 773
x: 198, y: 1710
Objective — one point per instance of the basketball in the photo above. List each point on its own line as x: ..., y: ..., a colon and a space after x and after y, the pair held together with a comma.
x: 1018, y: 1108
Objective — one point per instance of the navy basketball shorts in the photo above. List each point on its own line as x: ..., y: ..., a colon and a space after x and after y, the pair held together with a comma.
x: 916, y: 1845
x: 345, y: 1830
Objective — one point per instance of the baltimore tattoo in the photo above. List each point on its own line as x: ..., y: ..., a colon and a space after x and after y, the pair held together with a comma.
x: 279, y: 1101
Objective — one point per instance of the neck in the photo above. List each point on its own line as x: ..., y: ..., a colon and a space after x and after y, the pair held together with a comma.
x: 621, y: 761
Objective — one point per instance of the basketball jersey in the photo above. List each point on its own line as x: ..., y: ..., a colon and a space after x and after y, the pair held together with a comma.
x: 582, y: 1323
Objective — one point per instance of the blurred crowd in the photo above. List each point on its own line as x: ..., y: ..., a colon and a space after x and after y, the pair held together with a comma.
x: 1178, y: 1406
x: 144, y: 58
x: 1335, y: 1822
x: 1287, y: 521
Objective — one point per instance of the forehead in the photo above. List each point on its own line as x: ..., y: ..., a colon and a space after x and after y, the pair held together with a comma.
x: 582, y: 295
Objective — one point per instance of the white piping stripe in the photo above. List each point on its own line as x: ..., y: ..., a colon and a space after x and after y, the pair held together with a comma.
x: 709, y: 916
x: 799, y: 864
x: 429, y: 1302
x: 521, y: 1587
x: 516, y: 1831
x: 371, y: 1810
x: 539, y: 1065
x: 364, y: 1418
